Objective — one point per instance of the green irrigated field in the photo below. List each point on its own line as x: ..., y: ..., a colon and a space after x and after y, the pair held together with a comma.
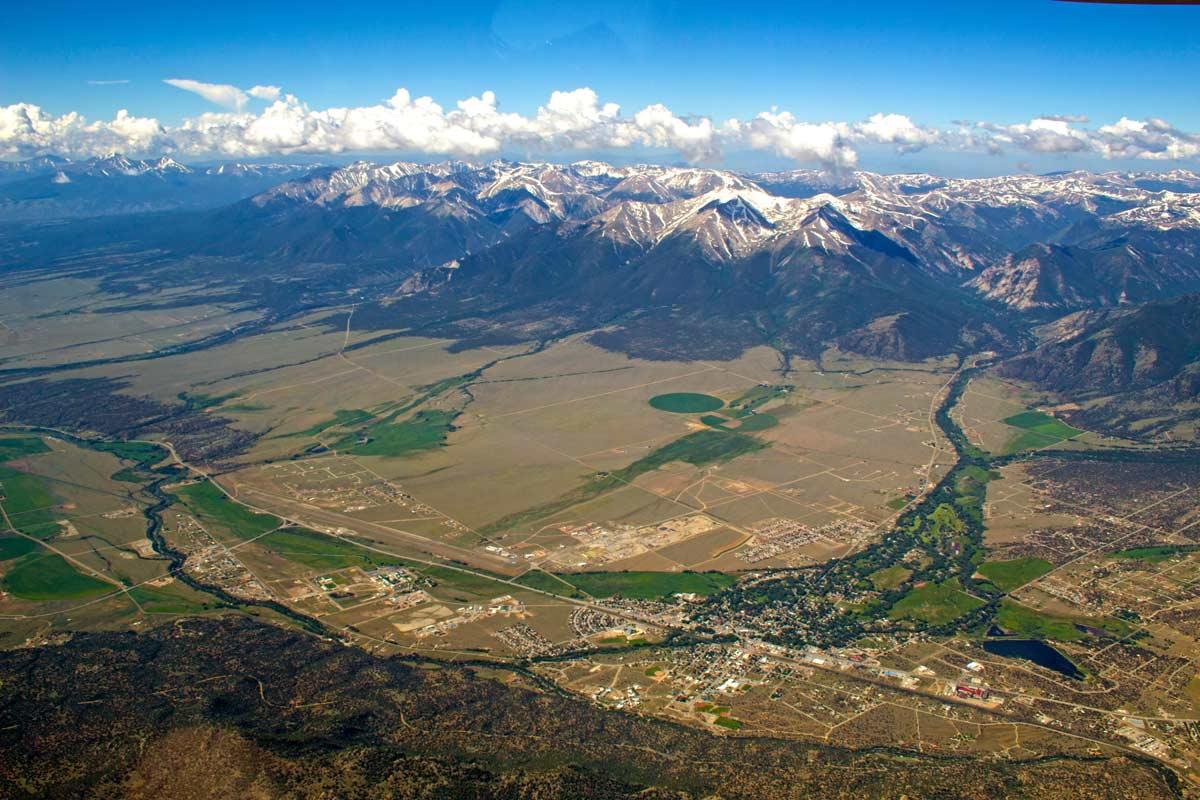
x: 14, y: 546
x: 935, y: 603
x: 742, y: 423
x: 544, y: 581
x: 210, y: 505
x: 697, y: 449
x: 20, y: 447
x: 756, y: 422
x: 1155, y: 554
x: 139, y: 452
x: 1039, y: 430
x: 648, y: 585
x: 749, y: 401
x: 341, y: 418
x: 45, y: 576
x: 425, y: 431
x: 27, y: 502
x: 476, y: 582
x: 1009, y: 575
x: 320, y: 551
x: 1023, y: 621
x: 686, y: 403
x: 173, y: 599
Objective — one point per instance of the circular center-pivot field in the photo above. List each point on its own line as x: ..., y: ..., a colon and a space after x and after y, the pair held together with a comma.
x: 686, y: 403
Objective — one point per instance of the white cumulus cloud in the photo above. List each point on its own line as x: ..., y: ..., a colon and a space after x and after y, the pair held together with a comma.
x: 577, y: 120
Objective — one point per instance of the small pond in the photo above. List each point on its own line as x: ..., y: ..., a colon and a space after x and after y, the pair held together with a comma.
x: 1036, y: 651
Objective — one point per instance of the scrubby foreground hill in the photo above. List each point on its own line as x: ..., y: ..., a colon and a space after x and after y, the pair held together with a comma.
x: 238, y: 709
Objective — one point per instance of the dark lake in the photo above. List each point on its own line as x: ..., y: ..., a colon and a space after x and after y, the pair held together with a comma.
x: 1036, y: 651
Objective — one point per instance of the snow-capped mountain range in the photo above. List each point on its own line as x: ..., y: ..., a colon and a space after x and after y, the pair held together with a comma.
x: 977, y: 230
x: 904, y: 265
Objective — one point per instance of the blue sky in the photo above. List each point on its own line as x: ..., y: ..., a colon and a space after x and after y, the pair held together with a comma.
x: 1003, y: 62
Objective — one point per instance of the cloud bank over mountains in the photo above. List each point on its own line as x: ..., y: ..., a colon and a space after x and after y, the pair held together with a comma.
x: 577, y: 120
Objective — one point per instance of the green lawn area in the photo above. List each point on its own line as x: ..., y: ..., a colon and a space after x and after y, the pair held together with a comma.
x: 319, y: 551
x: 728, y: 722
x: 1009, y: 575
x: 1156, y: 553
x: 897, y: 503
x: 890, y: 577
x: 935, y: 603
x: 20, y: 447
x: 648, y: 585
x: 1038, y: 430
x: 211, y: 506
x: 686, y: 403
x: 424, y: 431
x: 45, y: 576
